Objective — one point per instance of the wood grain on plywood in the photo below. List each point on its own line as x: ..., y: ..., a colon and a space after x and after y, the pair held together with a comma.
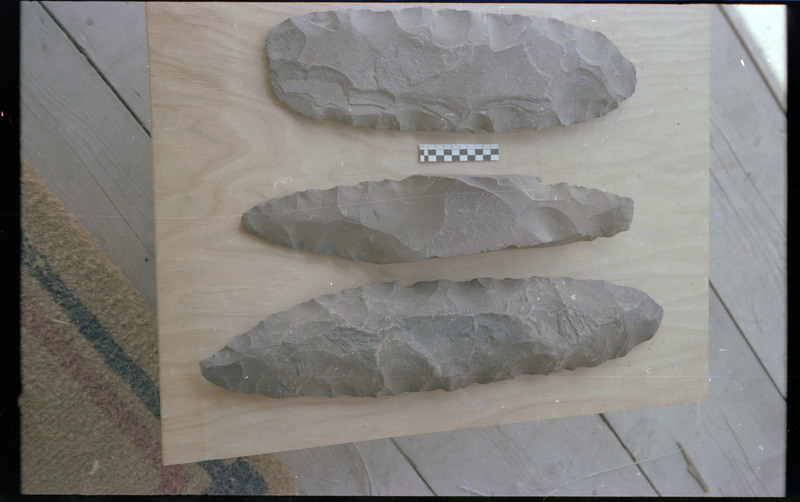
x: 748, y: 200
x: 86, y: 145
x: 221, y: 143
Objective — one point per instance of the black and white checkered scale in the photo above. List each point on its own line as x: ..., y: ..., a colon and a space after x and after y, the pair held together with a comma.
x: 458, y: 153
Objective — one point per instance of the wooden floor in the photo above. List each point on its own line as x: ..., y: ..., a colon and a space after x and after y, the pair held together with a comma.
x: 85, y: 129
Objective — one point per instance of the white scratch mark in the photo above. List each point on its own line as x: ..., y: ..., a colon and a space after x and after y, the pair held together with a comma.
x: 285, y: 180
x: 476, y: 492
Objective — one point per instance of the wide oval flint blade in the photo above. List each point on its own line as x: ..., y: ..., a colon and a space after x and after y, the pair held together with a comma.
x: 423, y: 217
x: 387, y: 338
x: 445, y: 70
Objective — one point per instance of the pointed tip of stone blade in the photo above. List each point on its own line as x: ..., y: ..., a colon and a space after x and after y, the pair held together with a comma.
x: 224, y: 369
x: 644, y: 320
x: 210, y: 370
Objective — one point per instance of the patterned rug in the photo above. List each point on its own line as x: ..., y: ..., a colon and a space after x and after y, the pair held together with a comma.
x: 89, y: 403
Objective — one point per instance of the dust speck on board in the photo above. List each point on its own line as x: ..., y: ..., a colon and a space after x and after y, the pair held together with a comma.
x: 95, y: 467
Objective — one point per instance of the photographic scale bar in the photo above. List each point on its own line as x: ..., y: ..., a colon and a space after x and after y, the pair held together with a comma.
x: 458, y: 153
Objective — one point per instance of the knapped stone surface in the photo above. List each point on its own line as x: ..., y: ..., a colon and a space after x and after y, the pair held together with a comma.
x: 425, y: 216
x: 387, y: 338
x: 445, y: 70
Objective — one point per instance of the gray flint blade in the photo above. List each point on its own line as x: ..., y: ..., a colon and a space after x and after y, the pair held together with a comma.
x: 423, y: 217
x: 387, y: 338
x: 445, y: 70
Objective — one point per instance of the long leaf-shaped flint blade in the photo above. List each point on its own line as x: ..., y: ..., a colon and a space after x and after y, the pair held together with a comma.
x: 387, y: 338
x: 422, y: 217
x: 445, y: 70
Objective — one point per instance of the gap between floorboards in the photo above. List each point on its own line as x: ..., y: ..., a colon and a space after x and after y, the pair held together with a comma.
x: 94, y: 66
x: 413, y: 465
x: 741, y: 333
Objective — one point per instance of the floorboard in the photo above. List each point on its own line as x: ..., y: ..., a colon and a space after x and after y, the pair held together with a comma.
x: 113, y: 36
x: 83, y: 112
x: 388, y: 471
x: 329, y: 470
x: 567, y: 456
x: 87, y: 147
x: 736, y: 439
x: 762, y: 30
x: 365, y: 468
x: 748, y: 199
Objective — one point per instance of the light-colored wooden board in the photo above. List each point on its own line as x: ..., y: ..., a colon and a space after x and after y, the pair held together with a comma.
x: 113, y: 37
x: 87, y: 147
x: 748, y: 200
x: 366, y: 468
x: 736, y: 440
x: 762, y: 29
x: 583, y: 458
x: 221, y: 144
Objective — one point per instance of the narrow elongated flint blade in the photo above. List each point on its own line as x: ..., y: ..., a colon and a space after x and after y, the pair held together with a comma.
x: 387, y: 338
x: 437, y: 216
x: 445, y: 70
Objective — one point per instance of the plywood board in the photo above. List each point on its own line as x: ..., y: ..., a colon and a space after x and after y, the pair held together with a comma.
x: 222, y: 143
